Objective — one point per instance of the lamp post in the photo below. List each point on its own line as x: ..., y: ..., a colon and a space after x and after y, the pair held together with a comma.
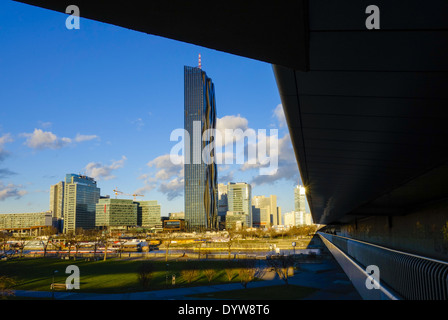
x: 52, y: 285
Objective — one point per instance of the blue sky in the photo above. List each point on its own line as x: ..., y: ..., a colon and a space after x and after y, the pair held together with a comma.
x: 103, y: 100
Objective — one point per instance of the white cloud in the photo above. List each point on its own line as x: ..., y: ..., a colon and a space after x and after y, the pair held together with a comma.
x: 11, y: 191
x: 168, y: 177
x: 45, y: 124
x: 231, y: 122
x: 82, y: 137
x: 99, y: 171
x: 45, y: 140
x: 41, y: 140
x: 173, y: 188
x: 280, y: 115
x: 6, y: 138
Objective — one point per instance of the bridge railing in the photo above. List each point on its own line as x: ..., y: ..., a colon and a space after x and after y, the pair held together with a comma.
x: 411, y: 276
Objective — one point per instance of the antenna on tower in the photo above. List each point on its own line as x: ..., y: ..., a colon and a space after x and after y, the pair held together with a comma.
x: 200, y: 63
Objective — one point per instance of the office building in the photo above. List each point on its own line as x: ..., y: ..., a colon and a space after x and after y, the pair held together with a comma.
x: 222, y: 200
x: 116, y: 213
x: 81, y: 195
x: 201, y: 207
x: 26, y: 221
x: 239, y: 201
x: 57, y: 200
x: 149, y: 214
x: 299, y: 199
x: 297, y: 219
x: 265, y: 211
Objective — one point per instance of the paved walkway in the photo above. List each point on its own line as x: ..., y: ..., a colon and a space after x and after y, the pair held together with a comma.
x: 327, y: 277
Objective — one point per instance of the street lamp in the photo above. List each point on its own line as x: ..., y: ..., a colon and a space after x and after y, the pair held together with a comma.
x: 52, y: 285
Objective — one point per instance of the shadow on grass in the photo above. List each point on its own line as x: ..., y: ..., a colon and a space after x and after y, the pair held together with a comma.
x: 280, y: 292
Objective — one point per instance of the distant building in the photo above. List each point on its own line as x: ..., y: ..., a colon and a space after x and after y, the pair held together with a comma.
x: 81, y: 195
x: 149, y: 214
x: 297, y: 218
x: 57, y: 200
x: 236, y: 220
x: 177, y: 215
x: 299, y: 199
x: 116, y: 213
x: 26, y: 221
x: 222, y: 201
x: 265, y: 211
x: 239, y: 200
x: 174, y: 225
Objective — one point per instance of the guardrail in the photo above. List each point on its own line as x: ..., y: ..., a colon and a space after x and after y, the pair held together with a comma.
x: 411, y: 276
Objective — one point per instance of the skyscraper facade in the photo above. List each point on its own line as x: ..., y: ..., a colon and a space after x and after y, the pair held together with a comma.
x: 149, y: 213
x: 57, y: 200
x: 299, y: 199
x: 265, y: 211
x: 201, y: 205
x: 80, y: 197
x: 116, y: 213
x: 222, y: 200
x: 239, y: 200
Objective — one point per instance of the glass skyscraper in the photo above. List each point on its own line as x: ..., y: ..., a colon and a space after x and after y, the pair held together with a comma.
x: 201, y: 192
x: 80, y: 198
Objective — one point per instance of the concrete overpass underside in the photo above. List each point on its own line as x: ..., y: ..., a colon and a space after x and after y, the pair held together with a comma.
x: 367, y: 109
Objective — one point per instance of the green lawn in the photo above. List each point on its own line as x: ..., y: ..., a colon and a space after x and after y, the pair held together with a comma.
x: 111, y: 276
x: 282, y: 292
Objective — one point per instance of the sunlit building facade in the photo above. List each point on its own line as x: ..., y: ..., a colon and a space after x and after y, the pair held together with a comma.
x: 201, y: 209
x: 116, y: 213
x: 81, y: 195
x: 149, y: 213
x: 239, y: 201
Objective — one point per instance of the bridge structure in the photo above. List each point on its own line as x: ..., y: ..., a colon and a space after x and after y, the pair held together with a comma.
x: 365, y: 95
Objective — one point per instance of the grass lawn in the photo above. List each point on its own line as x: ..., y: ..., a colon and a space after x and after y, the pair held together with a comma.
x: 111, y: 276
x: 282, y: 292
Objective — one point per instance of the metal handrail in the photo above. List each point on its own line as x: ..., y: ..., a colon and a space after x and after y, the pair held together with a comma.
x: 411, y: 276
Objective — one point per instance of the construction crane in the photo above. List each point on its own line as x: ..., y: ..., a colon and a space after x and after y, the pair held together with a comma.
x: 116, y: 191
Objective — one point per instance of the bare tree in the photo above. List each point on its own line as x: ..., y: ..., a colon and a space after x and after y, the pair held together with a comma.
x: 230, y: 273
x: 49, y: 233
x: 281, y: 265
x: 250, y: 270
x: 169, y: 238
x: 77, y: 240
x: 4, y: 238
x: 232, y: 235
x: 190, y: 272
x: 6, y: 285
x: 70, y: 241
x: 145, y: 273
x: 21, y: 243
x: 209, y: 274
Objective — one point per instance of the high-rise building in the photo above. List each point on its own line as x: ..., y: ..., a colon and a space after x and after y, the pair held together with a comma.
x: 239, y: 200
x: 57, y: 200
x: 299, y: 199
x: 297, y: 218
x: 80, y: 198
x: 201, y: 205
x: 116, y: 213
x: 222, y: 200
x: 149, y: 214
x: 265, y: 211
